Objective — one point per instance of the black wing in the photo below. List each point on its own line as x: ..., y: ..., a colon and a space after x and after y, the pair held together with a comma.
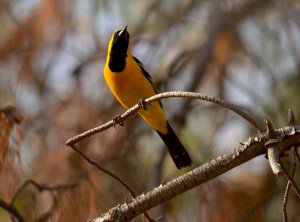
x: 147, y: 75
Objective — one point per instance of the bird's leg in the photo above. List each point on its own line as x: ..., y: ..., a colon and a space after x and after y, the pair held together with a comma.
x: 118, y: 120
x: 142, y: 104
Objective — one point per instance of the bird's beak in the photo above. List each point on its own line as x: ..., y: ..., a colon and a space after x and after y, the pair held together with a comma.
x: 123, y: 31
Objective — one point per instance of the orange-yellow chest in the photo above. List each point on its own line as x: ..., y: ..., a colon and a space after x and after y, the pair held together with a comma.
x: 129, y: 86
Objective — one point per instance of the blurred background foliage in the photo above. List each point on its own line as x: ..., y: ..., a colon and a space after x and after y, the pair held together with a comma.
x: 52, y: 54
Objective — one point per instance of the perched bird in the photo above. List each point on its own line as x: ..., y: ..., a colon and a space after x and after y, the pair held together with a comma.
x: 130, y: 82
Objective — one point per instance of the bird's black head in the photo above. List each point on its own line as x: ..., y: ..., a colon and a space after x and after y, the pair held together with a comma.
x: 118, y: 51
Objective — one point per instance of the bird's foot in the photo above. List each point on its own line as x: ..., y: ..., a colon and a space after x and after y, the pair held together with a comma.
x: 118, y: 120
x: 142, y: 104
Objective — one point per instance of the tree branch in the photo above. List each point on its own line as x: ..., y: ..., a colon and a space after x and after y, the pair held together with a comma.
x: 241, y: 154
x: 191, y: 95
x: 12, y: 210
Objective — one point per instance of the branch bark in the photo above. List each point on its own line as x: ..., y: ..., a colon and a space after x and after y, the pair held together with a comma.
x: 253, y: 147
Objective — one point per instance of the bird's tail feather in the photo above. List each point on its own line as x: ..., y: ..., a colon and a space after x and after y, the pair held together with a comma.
x: 177, y: 151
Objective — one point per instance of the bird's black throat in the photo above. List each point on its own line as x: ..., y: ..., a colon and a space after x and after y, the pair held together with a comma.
x: 118, y: 52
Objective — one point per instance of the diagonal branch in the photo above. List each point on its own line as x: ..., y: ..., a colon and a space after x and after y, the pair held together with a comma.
x: 241, y: 154
x: 12, y: 210
x: 131, y: 192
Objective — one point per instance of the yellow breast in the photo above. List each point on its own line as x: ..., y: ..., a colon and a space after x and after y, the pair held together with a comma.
x: 129, y: 86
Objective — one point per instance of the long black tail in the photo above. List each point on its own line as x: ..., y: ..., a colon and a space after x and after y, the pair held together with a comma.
x: 177, y: 151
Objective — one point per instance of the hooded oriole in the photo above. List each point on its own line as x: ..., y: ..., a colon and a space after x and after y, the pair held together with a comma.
x: 130, y: 82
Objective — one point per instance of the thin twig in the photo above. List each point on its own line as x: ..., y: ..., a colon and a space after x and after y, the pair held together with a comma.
x: 132, y: 193
x: 291, y: 180
x: 12, y: 210
x: 285, y: 200
x: 41, y: 187
x: 191, y: 95
x: 288, y: 188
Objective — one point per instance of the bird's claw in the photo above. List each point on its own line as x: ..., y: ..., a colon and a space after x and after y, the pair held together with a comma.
x: 118, y: 120
x: 142, y: 104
